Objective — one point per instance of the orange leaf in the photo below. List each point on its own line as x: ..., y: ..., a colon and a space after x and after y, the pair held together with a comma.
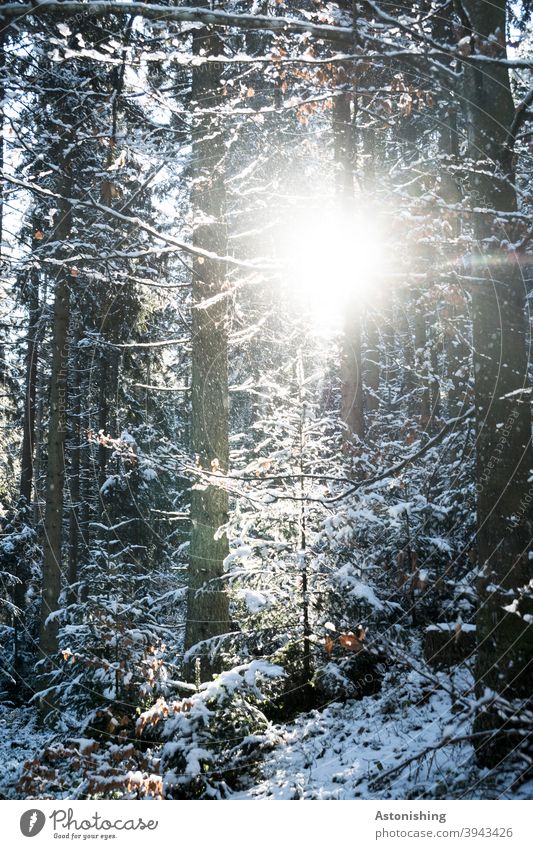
x: 350, y: 642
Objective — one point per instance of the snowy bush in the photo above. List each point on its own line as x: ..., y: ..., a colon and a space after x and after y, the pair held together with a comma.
x: 77, y: 768
x: 214, y: 738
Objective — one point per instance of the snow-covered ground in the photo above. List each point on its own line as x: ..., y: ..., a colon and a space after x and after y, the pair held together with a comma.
x: 343, y: 752
x: 21, y: 739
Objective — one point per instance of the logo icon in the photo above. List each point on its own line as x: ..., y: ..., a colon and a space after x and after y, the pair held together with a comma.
x: 32, y: 822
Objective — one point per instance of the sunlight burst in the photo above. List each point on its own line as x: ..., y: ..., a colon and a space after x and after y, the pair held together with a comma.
x: 333, y: 261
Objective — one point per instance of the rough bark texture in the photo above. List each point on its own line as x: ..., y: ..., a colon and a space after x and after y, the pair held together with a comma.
x: 30, y: 389
x: 208, y: 614
x: 55, y: 475
x: 74, y: 476
x: 28, y: 441
x: 505, y: 640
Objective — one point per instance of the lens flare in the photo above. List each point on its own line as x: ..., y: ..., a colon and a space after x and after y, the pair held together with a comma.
x: 332, y: 261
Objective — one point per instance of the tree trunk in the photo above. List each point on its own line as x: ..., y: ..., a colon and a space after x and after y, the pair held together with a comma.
x: 55, y: 475
x: 372, y: 364
x: 208, y: 612
x: 504, y: 458
x: 454, y: 343
x: 28, y: 440
x: 30, y: 389
x: 74, y: 476
x: 352, y: 409
x: 39, y: 454
x: 87, y: 479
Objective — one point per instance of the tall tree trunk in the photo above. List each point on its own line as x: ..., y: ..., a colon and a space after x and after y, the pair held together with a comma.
x: 352, y: 409
x: 456, y: 349
x: 207, y: 611
x: 418, y: 362
x: 39, y: 455
x: 57, y: 426
x: 371, y: 364
x: 87, y: 477
x: 28, y: 440
x: 74, y: 476
x: 30, y: 388
x: 504, y: 457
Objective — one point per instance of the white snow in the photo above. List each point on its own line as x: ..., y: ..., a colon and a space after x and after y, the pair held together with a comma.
x: 254, y: 600
x: 341, y: 752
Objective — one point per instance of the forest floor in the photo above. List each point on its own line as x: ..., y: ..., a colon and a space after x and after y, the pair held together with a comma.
x: 21, y: 739
x: 343, y: 751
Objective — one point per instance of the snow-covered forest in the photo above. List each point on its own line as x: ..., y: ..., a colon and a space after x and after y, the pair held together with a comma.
x: 265, y: 426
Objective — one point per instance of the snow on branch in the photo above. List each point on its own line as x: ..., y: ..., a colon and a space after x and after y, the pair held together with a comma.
x: 192, y: 14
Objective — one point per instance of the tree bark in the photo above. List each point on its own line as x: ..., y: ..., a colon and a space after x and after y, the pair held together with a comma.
x: 372, y: 363
x: 74, y: 476
x: 30, y: 388
x: 28, y: 441
x: 55, y: 475
x: 208, y: 611
x: 352, y: 411
x: 504, y: 458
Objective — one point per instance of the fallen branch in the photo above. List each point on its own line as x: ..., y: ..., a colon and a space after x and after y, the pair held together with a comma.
x: 446, y: 741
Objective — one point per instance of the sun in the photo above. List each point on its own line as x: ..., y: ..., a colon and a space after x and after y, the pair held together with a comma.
x: 332, y: 260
